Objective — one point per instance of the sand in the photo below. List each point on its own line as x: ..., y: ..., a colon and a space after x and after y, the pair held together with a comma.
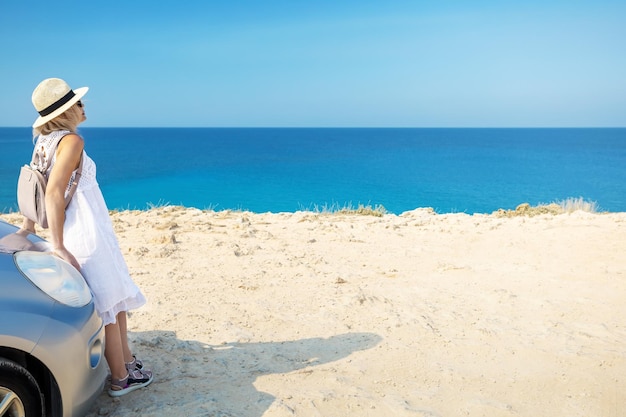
x: 419, y: 314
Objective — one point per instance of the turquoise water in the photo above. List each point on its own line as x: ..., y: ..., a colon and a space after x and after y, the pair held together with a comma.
x: 450, y: 170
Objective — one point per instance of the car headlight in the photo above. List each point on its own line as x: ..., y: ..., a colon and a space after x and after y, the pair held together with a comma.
x: 55, y: 277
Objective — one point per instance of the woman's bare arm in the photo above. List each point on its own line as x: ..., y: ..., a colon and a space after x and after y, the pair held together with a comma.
x: 68, y: 156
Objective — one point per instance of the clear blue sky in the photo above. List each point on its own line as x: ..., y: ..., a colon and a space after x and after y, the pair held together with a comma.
x: 321, y: 63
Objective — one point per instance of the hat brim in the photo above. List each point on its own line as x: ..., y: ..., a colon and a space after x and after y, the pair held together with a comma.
x: 78, y: 94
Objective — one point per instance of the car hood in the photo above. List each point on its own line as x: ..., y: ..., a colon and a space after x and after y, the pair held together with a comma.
x: 11, y: 241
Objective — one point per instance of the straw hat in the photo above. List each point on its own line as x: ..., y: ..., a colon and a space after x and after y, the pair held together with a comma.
x: 52, y: 97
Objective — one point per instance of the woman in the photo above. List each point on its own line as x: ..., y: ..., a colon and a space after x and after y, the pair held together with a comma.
x: 82, y: 233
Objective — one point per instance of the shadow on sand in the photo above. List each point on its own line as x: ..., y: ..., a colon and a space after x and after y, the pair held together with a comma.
x: 196, y: 379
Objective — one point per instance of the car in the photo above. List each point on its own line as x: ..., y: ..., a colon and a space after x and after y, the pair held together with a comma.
x: 51, y: 337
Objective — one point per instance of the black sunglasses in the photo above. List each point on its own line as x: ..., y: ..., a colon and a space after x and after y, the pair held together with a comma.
x: 79, y: 104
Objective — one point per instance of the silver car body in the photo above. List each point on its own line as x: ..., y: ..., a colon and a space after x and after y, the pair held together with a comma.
x: 61, y: 346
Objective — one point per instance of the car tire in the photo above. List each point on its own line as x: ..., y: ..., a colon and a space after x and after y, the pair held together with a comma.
x: 20, y: 395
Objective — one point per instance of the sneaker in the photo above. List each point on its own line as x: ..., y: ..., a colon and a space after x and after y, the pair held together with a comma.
x: 135, y: 379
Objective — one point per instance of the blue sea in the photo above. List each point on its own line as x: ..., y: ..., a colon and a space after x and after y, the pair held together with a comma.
x: 291, y: 169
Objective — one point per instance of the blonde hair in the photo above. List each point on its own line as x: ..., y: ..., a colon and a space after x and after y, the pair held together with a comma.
x: 68, y: 120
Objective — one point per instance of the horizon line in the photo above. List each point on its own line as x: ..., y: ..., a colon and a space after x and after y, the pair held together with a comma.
x: 334, y: 127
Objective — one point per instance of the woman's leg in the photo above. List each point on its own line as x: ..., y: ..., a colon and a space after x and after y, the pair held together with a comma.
x: 113, y: 351
x: 123, y: 380
x: 121, y: 319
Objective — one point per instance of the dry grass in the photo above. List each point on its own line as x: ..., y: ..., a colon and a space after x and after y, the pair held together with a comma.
x: 568, y: 205
x: 574, y: 204
x: 377, y: 211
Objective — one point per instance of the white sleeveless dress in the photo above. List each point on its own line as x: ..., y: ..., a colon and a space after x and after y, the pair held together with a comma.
x: 88, y: 234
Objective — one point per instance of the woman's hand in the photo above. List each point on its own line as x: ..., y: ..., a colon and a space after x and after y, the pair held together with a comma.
x: 64, y: 254
x: 28, y: 227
